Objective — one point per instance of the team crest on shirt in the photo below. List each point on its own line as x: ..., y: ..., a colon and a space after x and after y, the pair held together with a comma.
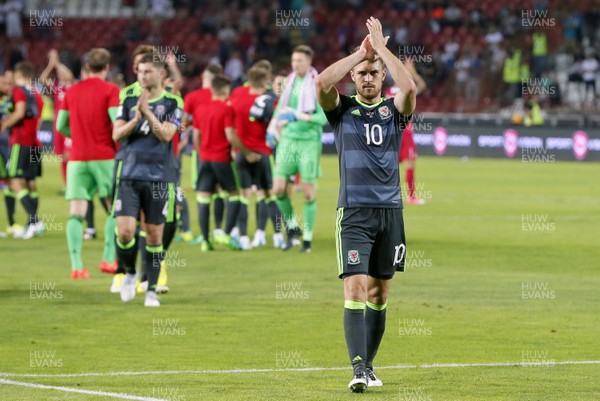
x: 159, y: 110
x: 384, y: 112
x: 353, y: 257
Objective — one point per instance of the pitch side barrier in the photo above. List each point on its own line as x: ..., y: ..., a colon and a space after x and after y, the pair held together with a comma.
x: 571, y: 140
x: 449, y: 137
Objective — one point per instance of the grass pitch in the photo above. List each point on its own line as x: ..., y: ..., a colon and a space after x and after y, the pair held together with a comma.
x: 500, y: 297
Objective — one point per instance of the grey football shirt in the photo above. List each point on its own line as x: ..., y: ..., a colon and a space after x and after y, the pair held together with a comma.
x: 367, y: 138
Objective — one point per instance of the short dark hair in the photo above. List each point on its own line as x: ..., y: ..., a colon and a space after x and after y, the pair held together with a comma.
x: 304, y: 49
x: 214, y: 69
x: 257, y: 76
x: 25, y: 68
x: 151, y: 58
x: 264, y: 63
x: 220, y: 83
x: 143, y: 49
x: 98, y: 59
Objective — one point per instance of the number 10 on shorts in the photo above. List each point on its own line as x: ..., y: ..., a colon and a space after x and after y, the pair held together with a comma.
x: 399, y: 254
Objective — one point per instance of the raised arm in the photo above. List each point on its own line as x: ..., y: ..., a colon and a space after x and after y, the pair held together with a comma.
x: 177, y: 78
x: 327, y: 94
x: 405, y: 99
x: 419, y: 81
x: 64, y: 74
x: 53, y: 61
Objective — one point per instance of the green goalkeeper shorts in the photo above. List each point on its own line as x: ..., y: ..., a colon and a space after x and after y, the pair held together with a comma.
x: 302, y: 157
x: 86, y: 178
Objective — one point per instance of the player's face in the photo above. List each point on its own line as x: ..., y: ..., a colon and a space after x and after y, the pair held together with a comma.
x: 9, y: 76
x: 300, y: 63
x: 368, y: 77
x: 149, y: 75
x: 3, y: 86
x: 18, y: 77
x: 278, y: 84
x: 136, y: 61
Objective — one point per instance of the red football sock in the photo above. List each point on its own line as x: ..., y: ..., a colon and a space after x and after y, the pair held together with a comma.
x: 410, y: 181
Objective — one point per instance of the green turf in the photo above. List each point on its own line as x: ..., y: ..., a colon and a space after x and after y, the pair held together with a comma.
x: 479, y: 288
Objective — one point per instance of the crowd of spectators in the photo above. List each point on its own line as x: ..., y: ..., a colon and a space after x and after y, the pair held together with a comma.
x: 473, y: 55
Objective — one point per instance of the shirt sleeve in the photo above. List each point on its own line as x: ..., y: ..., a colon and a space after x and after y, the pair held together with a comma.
x: 123, y: 94
x: 402, y: 120
x: 335, y: 115
x: 64, y: 105
x: 113, y: 100
x: 123, y: 110
x: 177, y: 113
x: 19, y: 96
x: 229, y: 118
x: 188, y: 104
x: 113, y: 104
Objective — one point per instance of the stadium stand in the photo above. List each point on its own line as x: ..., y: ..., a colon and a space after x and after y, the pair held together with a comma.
x: 461, y: 52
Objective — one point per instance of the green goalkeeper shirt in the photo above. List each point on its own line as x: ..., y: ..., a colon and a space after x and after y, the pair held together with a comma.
x: 300, y: 130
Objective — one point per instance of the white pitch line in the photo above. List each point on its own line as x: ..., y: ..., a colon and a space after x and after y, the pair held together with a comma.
x: 120, y: 396
x: 315, y: 369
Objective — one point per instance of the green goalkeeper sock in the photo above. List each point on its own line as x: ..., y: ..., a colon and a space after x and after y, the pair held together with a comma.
x: 109, y: 239
x: 75, y: 241
x: 285, y: 206
x: 310, y: 216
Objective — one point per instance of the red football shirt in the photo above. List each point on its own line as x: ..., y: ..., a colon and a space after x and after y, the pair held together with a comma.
x: 88, y: 102
x: 196, y: 98
x: 242, y: 90
x: 24, y: 132
x: 176, y: 140
x: 58, y: 91
x: 212, y: 119
x: 251, y: 133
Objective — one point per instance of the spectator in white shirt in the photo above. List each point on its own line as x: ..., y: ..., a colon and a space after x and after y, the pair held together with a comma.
x: 493, y: 38
x: 234, y: 68
x: 589, y: 73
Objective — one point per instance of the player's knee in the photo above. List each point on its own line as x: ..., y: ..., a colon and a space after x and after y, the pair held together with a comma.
x: 355, y: 290
x: 377, y: 299
x: 125, y: 232
x: 278, y: 190
x: 308, y: 192
x: 309, y: 196
x: 377, y: 295
x: 15, y: 185
x: 125, y: 236
x: 356, y: 295
x: 153, y: 235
